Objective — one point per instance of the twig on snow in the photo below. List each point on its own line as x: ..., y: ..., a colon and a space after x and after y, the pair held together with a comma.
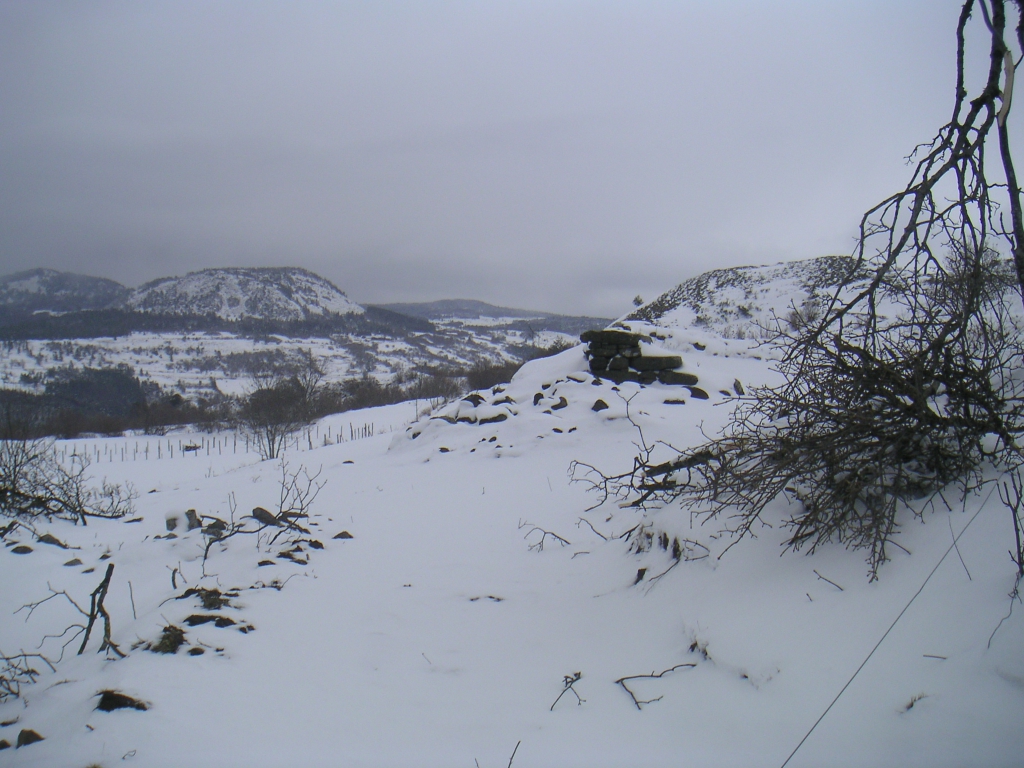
x: 539, y: 546
x: 568, y: 681
x: 653, y: 676
x: 829, y: 581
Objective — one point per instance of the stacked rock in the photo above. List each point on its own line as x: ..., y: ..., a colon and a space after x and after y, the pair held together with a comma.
x: 616, y: 355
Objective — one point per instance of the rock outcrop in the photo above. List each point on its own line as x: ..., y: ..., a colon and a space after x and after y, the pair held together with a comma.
x: 617, y: 355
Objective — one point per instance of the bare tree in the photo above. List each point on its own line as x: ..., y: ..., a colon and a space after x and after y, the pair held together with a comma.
x: 910, y: 377
x: 281, y: 399
x: 273, y: 410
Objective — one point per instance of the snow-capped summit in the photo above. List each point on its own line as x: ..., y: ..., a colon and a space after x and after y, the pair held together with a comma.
x: 267, y: 293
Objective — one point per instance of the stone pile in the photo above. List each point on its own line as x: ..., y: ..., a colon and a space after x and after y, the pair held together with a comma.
x: 616, y: 355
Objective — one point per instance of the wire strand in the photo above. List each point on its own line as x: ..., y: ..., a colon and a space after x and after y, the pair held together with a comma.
x: 891, y: 626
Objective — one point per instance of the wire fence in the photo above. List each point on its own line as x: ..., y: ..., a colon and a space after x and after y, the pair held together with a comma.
x: 198, y: 444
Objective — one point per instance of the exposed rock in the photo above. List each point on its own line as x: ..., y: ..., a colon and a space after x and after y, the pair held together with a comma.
x: 215, y: 528
x: 494, y: 419
x: 193, y: 519
x: 263, y: 516
x: 343, y: 535
x: 111, y: 700
x: 599, y: 405
x: 699, y: 393
x: 616, y: 353
x: 676, y: 377
x: 611, y: 338
x: 48, y: 538
x: 28, y: 736
x: 22, y: 549
x: 198, y: 619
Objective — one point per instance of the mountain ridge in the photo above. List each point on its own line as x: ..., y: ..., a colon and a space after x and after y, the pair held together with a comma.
x: 50, y: 290
x: 234, y: 293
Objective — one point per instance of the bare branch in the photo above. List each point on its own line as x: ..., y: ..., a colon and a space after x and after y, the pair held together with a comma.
x: 653, y: 676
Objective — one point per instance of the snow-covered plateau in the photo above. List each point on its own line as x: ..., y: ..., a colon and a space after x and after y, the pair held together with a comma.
x: 456, y: 600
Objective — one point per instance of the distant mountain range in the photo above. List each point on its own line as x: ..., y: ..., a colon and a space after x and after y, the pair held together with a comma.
x: 45, y: 303
x: 461, y: 309
x: 471, y: 314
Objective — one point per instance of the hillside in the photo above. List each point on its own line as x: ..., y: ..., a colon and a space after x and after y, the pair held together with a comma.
x: 738, y: 301
x: 268, y: 293
x: 47, y: 290
x: 454, y: 597
x: 200, y: 333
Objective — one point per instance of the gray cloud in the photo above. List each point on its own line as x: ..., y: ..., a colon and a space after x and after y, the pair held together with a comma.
x: 556, y: 155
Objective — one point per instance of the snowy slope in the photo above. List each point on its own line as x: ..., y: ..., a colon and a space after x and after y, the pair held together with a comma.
x: 738, y: 301
x: 278, y: 293
x: 442, y: 632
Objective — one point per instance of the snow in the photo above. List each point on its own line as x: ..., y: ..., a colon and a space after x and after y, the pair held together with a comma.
x: 441, y: 632
x: 289, y: 293
x: 191, y: 363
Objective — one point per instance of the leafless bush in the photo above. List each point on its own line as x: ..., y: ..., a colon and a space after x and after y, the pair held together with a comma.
x: 35, y: 484
x: 912, y: 376
x: 297, y: 490
x: 18, y: 671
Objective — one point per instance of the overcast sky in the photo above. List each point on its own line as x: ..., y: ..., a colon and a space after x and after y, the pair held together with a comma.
x: 563, y: 156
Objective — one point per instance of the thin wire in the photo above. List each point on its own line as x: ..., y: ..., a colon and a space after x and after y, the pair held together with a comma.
x: 868, y: 657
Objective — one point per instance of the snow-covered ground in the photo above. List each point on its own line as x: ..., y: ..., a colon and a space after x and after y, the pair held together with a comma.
x: 442, y: 632
x: 199, y: 364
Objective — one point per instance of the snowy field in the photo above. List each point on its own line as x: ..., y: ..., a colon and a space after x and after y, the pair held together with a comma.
x: 199, y: 364
x: 475, y: 584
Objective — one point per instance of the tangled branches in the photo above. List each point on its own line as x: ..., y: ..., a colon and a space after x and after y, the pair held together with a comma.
x: 17, y: 671
x: 297, y: 491
x: 910, y: 377
x: 35, y: 484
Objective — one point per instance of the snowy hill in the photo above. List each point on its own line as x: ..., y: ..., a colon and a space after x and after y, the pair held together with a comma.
x: 734, y: 302
x: 269, y: 293
x: 454, y: 596
x: 47, y: 290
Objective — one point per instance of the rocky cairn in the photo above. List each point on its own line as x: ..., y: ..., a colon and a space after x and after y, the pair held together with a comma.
x: 617, y: 355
